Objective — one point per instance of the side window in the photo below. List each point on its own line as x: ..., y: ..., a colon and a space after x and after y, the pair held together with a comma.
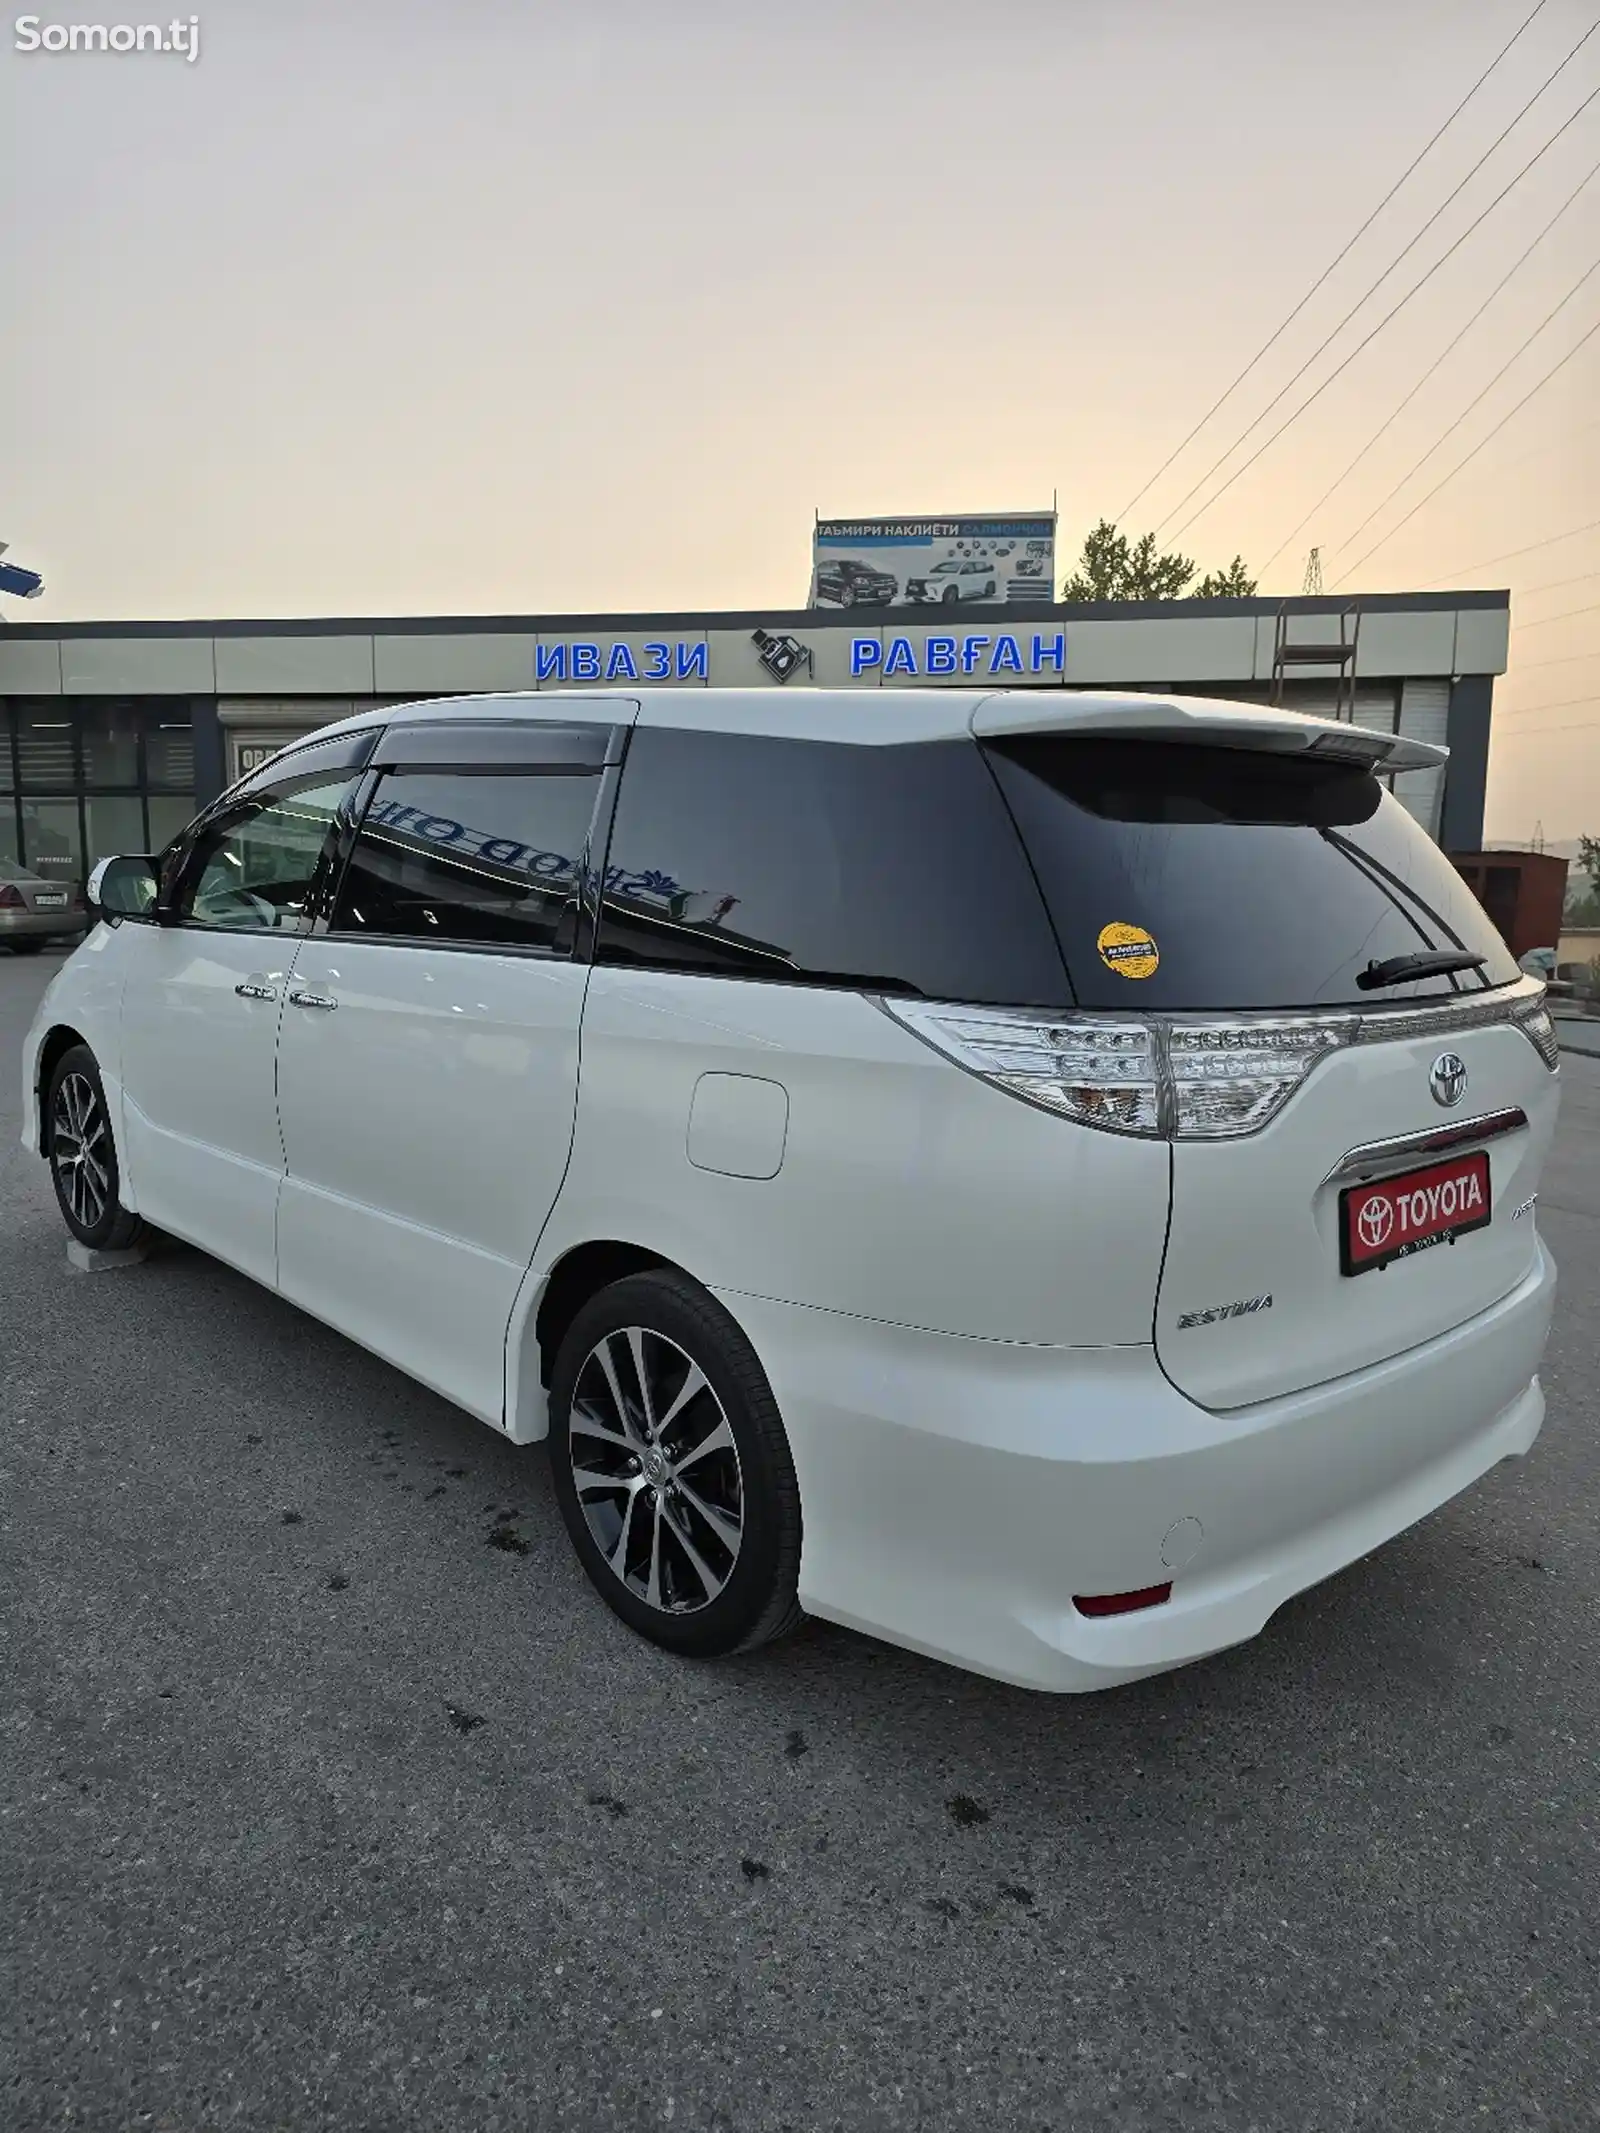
x: 890, y: 869
x: 251, y: 868
x: 491, y: 858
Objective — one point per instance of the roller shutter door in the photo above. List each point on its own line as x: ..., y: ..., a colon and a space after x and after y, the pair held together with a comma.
x: 1424, y: 716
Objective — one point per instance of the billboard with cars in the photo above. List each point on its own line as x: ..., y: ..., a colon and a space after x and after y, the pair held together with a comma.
x: 933, y: 562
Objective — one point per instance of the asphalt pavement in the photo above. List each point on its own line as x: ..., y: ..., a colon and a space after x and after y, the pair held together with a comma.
x: 335, y: 1800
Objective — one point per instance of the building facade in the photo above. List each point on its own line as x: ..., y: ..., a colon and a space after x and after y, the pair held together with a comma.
x: 113, y: 733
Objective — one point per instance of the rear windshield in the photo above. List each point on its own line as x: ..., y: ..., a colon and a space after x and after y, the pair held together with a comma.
x: 1183, y: 877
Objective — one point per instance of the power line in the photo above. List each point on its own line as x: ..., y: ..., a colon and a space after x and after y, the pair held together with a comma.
x: 1384, y: 538
x: 1562, y: 725
x: 1471, y: 570
x: 1511, y: 360
x: 1438, y: 360
x: 1389, y: 269
x: 1555, y: 584
x: 1394, y: 309
x: 1566, y: 615
x: 1568, y: 659
x: 1563, y: 441
x: 1274, y: 338
x: 1565, y: 704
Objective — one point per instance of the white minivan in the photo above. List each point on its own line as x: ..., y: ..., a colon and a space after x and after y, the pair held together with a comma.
x: 1041, y: 1177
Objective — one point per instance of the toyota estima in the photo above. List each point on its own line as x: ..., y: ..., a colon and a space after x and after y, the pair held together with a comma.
x: 1040, y: 1177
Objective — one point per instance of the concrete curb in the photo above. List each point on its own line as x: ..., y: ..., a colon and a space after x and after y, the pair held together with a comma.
x: 84, y: 1261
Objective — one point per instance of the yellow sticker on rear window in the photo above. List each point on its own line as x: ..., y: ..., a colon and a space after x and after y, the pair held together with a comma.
x: 1128, y: 950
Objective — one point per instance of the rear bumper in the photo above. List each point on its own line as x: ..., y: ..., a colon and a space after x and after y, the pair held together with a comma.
x: 957, y: 1493
x: 40, y: 925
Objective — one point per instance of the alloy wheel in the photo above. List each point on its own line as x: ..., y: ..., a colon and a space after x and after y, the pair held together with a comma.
x: 80, y: 1144
x: 656, y: 1470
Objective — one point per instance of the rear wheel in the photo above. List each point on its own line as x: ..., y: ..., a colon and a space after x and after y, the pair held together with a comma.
x: 673, y: 1471
x: 26, y: 947
x: 83, y: 1157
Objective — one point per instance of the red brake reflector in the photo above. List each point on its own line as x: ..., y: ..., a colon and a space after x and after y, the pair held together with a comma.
x: 1121, y: 1603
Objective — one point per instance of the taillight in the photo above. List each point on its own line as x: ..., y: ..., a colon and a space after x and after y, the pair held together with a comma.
x: 1536, y: 1025
x: 1229, y: 1078
x: 1202, y: 1079
x: 11, y: 897
x: 1102, y: 1073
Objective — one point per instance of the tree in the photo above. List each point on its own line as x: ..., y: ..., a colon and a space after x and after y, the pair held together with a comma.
x: 1583, y: 905
x: 1231, y: 584
x: 1114, y: 568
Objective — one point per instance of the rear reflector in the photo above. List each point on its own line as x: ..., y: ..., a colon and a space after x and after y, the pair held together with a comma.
x: 1121, y: 1603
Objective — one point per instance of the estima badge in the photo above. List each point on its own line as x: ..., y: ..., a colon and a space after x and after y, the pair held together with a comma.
x: 1448, y: 1079
x: 1245, y: 1308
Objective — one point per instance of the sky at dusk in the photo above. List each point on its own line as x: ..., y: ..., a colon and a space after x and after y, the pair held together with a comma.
x: 528, y: 306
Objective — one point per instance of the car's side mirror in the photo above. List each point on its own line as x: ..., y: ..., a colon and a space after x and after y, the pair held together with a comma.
x: 124, y: 887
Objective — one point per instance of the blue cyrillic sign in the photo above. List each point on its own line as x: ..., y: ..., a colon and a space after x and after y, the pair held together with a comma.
x: 975, y: 652
x: 589, y: 660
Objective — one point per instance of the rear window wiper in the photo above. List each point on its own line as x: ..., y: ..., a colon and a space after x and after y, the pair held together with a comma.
x: 1399, y: 968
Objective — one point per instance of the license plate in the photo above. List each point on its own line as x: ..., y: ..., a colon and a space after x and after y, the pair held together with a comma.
x: 49, y: 899
x: 1395, y: 1217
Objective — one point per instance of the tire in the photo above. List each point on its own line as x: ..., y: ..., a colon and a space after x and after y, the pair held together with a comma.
x: 33, y: 947
x: 951, y: 596
x: 717, y: 1594
x: 88, y: 1188
x: 847, y: 597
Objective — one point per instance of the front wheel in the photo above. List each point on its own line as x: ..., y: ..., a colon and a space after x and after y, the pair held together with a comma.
x: 673, y: 1471
x: 83, y: 1157
x: 951, y: 596
x: 32, y: 947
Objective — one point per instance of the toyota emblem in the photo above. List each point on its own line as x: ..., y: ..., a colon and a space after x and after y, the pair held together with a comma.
x: 1374, y: 1222
x: 1448, y: 1078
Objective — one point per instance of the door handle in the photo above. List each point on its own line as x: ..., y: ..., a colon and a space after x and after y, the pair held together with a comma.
x: 256, y: 989
x: 312, y: 999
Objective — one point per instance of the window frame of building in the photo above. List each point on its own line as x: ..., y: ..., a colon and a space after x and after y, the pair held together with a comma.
x: 82, y: 776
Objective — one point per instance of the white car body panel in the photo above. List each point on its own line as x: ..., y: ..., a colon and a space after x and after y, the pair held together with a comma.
x: 201, y: 1149
x: 908, y: 1191
x: 85, y: 995
x: 426, y: 1125
x: 1260, y: 1216
x: 958, y: 1493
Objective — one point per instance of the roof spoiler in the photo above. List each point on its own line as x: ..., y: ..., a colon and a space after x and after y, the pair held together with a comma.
x: 1197, y: 718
